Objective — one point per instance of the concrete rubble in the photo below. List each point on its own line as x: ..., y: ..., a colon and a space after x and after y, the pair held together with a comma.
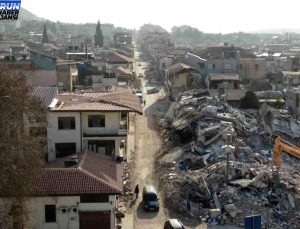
x: 279, y: 121
x: 223, y: 165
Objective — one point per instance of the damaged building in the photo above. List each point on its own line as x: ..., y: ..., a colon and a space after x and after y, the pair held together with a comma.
x: 222, y: 170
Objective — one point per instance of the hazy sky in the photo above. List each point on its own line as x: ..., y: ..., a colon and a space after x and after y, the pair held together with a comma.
x: 207, y: 15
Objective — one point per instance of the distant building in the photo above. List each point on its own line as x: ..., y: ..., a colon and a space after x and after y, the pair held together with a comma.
x: 222, y: 81
x: 67, y: 75
x: 123, y: 37
x: 178, y: 78
x: 252, y: 68
x: 291, y: 79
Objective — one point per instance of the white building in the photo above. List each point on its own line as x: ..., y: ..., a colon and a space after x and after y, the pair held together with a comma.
x: 95, y: 121
x: 78, y: 192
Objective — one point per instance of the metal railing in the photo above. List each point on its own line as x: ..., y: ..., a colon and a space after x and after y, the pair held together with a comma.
x: 104, y: 132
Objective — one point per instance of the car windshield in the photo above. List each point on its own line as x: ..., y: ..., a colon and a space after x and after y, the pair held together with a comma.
x: 150, y: 197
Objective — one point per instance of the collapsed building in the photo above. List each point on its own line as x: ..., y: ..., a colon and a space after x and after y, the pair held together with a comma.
x: 222, y: 170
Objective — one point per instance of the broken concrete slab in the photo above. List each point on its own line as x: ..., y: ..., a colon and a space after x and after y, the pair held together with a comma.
x: 291, y: 200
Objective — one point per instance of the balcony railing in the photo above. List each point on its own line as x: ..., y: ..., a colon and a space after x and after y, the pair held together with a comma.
x: 104, y: 132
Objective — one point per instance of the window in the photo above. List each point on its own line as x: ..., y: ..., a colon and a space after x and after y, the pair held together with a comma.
x: 227, y: 66
x: 66, y: 123
x: 211, y: 66
x: 96, y: 120
x: 241, y: 67
x: 201, y: 65
x: 256, y: 67
x: 65, y: 149
x: 94, y: 199
x: 50, y: 213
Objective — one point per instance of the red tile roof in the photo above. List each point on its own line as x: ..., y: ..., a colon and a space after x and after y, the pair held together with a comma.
x: 94, y: 174
x: 177, y: 68
x: 116, y: 99
x: 114, y: 57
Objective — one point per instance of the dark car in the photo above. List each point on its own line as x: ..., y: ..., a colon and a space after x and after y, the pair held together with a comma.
x: 173, y: 224
x: 150, y: 199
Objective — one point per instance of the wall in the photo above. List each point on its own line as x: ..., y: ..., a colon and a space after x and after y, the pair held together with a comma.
x: 42, y: 78
x: 41, y: 61
x: 179, y: 80
x: 292, y: 100
x: 252, y: 68
x: 64, y: 76
x: 220, y: 65
x: 62, y: 136
x: 36, y: 210
x: 112, y: 120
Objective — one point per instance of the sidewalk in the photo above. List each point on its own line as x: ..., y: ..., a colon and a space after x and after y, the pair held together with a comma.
x: 128, y: 221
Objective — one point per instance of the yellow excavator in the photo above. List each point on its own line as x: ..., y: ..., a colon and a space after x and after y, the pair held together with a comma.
x: 282, y: 146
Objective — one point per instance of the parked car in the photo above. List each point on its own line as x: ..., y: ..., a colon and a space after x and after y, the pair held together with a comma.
x: 173, y: 224
x: 139, y: 64
x: 141, y: 75
x: 152, y: 90
x: 150, y: 199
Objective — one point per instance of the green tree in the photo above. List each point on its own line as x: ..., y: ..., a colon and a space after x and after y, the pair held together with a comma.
x: 250, y: 101
x: 45, y: 38
x: 98, y: 36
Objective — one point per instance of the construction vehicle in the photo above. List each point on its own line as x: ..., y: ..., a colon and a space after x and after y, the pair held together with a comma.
x: 282, y: 146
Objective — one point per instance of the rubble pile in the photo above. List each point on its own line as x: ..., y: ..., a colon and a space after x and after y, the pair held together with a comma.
x: 279, y: 121
x: 223, y: 171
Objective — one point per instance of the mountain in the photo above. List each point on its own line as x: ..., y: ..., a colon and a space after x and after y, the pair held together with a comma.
x: 26, y: 15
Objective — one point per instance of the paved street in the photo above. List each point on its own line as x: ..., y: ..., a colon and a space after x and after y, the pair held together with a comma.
x: 147, y: 144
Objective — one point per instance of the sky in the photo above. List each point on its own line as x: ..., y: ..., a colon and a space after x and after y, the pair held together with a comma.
x: 216, y: 16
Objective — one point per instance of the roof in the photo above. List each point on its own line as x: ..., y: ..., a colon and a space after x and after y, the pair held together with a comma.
x: 179, y: 67
x: 195, y: 56
x: 42, y: 54
x: 45, y: 94
x: 291, y: 74
x: 216, y: 52
x: 124, y: 71
x: 114, y: 99
x: 223, y: 76
x: 114, y: 57
x: 94, y: 174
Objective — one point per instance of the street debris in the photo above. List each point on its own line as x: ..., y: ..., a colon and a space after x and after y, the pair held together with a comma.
x: 223, y: 165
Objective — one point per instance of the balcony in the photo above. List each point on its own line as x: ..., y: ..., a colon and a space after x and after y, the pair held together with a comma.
x: 104, y: 132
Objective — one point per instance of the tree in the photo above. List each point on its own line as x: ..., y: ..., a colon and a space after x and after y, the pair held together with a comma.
x: 45, y: 38
x: 21, y: 155
x: 250, y: 101
x: 98, y: 36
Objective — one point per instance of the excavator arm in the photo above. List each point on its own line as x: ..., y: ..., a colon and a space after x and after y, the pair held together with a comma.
x: 280, y: 147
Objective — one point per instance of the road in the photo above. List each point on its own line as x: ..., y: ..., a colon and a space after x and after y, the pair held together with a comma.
x: 146, y: 146
x: 147, y: 143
